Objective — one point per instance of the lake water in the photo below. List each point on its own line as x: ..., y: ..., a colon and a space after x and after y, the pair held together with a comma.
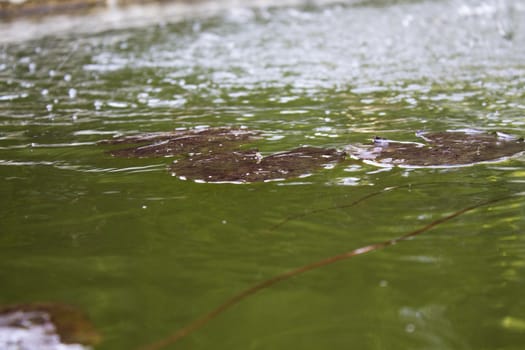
x: 145, y: 253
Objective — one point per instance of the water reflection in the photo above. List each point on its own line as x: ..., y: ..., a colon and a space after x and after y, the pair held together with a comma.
x: 431, y: 326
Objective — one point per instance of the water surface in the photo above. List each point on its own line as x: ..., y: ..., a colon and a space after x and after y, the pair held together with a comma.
x: 145, y: 253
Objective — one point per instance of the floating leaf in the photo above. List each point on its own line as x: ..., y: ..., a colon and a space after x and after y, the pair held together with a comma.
x: 45, y: 326
x: 453, y: 148
x: 250, y: 166
x: 169, y: 144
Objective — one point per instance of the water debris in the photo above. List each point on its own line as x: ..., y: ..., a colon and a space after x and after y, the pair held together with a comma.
x: 250, y: 166
x: 216, y: 155
x: 513, y: 323
x: 177, y: 143
x: 219, y: 155
x: 45, y: 326
x: 440, y: 149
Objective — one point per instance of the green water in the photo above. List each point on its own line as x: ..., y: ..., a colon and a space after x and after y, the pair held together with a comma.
x: 145, y: 253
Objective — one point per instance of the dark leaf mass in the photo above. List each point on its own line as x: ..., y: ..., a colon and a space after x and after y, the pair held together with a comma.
x: 216, y: 154
x: 440, y: 149
x: 249, y: 166
x: 169, y: 144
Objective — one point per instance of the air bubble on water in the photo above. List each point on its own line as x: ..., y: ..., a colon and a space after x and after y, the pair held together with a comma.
x: 44, y: 92
x: 410, y: 328
x: 32, y: 67
x: 425, y: 216
x: 52, y: 73
x: 49, y: 107
x: 72, y: 93
x: 98, y: 104
x: 383, y: 283
x: 67, y: 77
x: 224, y: 222
x: 144, y: 207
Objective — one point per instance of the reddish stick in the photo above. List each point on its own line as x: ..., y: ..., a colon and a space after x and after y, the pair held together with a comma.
x: 195, y: 325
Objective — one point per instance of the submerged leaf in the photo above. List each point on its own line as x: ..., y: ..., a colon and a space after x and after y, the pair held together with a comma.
x: 249, y: 166
x: 45, y: 326
x: 166, y: 144
x: 453, y: 148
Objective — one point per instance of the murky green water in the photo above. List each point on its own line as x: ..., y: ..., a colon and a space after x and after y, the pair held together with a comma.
x: 145, y: 253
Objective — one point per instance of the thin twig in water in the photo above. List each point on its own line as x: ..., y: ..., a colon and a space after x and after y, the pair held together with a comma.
x: 200, y: 322
x: 360, y: 200
x: 316, y: 211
